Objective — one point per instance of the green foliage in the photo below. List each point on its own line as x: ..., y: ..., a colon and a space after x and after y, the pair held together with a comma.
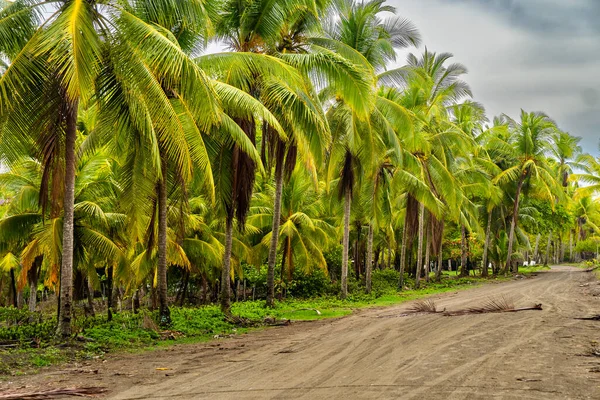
x: 19, y: 325
x: 385, y: 282
x: 312, y: 284
x: 589, y: 245
x: 309, y: 96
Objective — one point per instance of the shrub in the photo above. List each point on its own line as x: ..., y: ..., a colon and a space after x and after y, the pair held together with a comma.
x: 384, y: 282
x: 313, y: 284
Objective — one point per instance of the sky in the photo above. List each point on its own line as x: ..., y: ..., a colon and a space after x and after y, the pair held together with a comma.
x: 536, y: 55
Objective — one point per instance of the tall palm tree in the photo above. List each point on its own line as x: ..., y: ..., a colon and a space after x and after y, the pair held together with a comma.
x: 66, y: 49
x: 304, y: 234
x: 288, y: 35
x: 356, y: 138
x: 530, y: 143
x: 429, y: 89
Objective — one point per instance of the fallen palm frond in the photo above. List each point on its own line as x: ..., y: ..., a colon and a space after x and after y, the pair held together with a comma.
x: 423, y: 306
x: 53, y: 393
x: 493, y: 305
x: 497, y: 305
x: 592, y: 318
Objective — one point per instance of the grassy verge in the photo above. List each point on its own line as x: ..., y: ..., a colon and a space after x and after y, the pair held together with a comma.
x: 27, y: 347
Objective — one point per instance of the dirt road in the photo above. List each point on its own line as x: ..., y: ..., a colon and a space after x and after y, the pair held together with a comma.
x: 377, y: 354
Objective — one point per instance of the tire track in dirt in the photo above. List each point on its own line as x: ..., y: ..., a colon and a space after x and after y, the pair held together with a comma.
x: 375, y: 353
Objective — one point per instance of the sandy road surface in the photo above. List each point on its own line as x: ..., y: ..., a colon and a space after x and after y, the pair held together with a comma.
x: 378, y: 354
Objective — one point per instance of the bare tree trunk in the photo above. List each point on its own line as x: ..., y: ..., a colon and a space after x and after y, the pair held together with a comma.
x: 283, y: 265
x: 90, y: 297
x: 420, y: 245
x: 389, y: 265
x: 369, y: 265
x: 66, y: 269
x: 164, y: 313
x: 570, y: 245
x: 548, y: 248
x: 186, y: 279
x: 486, y: 246
x: 427, y: 246
x: 463, y: 251
x: 32, y: 276
x: 226, y: 271
x: 109, y: 292
x: 403, y: 253
x: 204, y: 289
x: 274, y: 234
x: 536, y: 251
x: 345, y: 243
x: 561, y: 249
x: 513, y: 225
x: 13, y: 289
x: 438, y: 273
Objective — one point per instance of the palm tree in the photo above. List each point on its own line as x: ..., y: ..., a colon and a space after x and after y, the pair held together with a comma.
x: 288, y: 35
x: 530, y: 143
x: 590, y: 174
x: 430, y: 88
x: 303, y: 233
x: 361, y: 28
x: 95, y: 222
x: 65, y: 51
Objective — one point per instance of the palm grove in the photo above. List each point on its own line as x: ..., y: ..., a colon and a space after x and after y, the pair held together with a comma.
x: 136, y: 165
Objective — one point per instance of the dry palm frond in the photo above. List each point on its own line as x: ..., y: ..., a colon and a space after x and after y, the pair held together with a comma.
x: 592, y: 318
x: 423, y: 306
x: 497, y: 305
x: 52, y: 393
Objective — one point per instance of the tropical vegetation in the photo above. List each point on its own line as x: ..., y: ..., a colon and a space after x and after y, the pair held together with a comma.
x: 139, y: 172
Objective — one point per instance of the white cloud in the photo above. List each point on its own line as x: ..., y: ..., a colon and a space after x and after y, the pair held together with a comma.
x: 518, y: 58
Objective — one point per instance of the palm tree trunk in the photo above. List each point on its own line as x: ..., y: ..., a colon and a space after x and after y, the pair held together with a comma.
x: 537, y: 247
x: 109, y: 293
x: 357, y: 252
x: 420, y: 245
x: 274, y: 234
x: 403, y: 253
x: 389, y: 265
x: 561, y: 249
x: 345, y: 243
x: 463, y: 251
x: 486, y: 245
x: 283, y: 263
x: 369, y: 265
x: 204, y: 289
x: 548, y: 248
x: 427, y: 246
x: 570, y: 245
x: 184, y: 289
x: 164, y: 313
x: 66, y: 269
x: 438, y: 273
x: 32, y: 276
x: 13, y: 289
x: 513, y: 226
x: 90, y: 297
x: 226, y: 271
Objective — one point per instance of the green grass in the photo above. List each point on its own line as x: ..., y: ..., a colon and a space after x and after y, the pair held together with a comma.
x: 531, y: 270
x: 138, y: 332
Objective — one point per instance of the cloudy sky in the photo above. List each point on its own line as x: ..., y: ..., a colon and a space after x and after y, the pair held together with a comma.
x: 537, y: 55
